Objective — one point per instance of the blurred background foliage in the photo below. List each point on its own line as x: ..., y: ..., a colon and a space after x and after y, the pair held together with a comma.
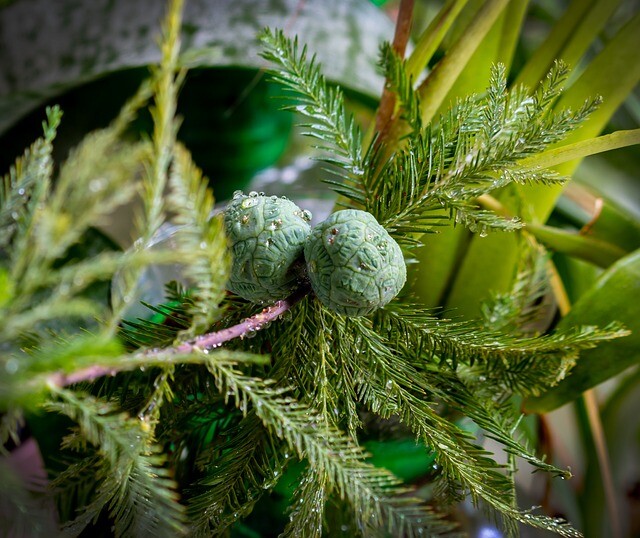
x: 90, y: 56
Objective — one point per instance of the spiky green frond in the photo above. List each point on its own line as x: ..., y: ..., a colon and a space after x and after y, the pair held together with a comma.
x: 388, y: 392
x: 201, y: 239
x: 441, y: 169
x: 27, y: 179
x: 252, y: 464
x: 526, y: 365
x: 323, y: 385
x: 322, y: 105
x: 333, y: 386
x: 401, y: 84
x: 94, y: 180
x: 307, y: 509
x: 135, y: 486
x: 372, y: 492
x: 104, y: 167
x: 311, y: 387
x: 491, y: 412
x: 464, y: 342
x: 473, y: 149
x: 143, y: 332
x: 166, y: 84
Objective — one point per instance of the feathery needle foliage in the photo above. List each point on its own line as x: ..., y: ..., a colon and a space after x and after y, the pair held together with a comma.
x: 440, y: 169
x: 132, y: 480
x: 184, y: 438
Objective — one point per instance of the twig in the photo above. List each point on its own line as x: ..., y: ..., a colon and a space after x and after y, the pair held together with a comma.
x: 249, y: 325
x: 204, y: 342
x: 387, y: 106
x: 90, y: 373
x: 600, y: 444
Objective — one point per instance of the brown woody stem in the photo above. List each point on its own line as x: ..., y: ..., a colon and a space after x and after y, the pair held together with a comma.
x: 387, y: 106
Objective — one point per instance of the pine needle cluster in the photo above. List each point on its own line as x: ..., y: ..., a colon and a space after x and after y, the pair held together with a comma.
x: 190, y: 440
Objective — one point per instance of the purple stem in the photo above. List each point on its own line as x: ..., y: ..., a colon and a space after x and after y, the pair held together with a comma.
x: 254, y: 323
x: 205, y: 341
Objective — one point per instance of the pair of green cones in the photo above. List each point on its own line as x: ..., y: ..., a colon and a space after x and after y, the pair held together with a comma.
x: 353, y: 264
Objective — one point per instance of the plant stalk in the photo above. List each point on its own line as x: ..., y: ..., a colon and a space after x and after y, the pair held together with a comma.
x: 401, y: 36
x: 204, y: 342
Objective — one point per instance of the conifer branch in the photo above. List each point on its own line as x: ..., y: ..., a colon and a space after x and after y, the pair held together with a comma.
x: 179, y: 353
x: 165, y: 127
x: 252, y: 463
x: 336, y: 132
x: 408, y: 102
x: 40, y: 168
x: 465, y: 342
x: 462, y: 462
x: 387, y: 106
x: 253, y: 412
x: 307, y: 508
x: 372, y: 492
x: 202, y: 240
x: 28, y: 178
x: 133, y: 471
x: 517, y: 312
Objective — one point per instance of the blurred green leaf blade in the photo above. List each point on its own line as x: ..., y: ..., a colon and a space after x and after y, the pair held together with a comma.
x: 612, y: 298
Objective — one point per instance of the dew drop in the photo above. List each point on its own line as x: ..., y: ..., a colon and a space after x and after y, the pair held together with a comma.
x: 11, y: 366
x: 251, y: 333
x: 96, y: 185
